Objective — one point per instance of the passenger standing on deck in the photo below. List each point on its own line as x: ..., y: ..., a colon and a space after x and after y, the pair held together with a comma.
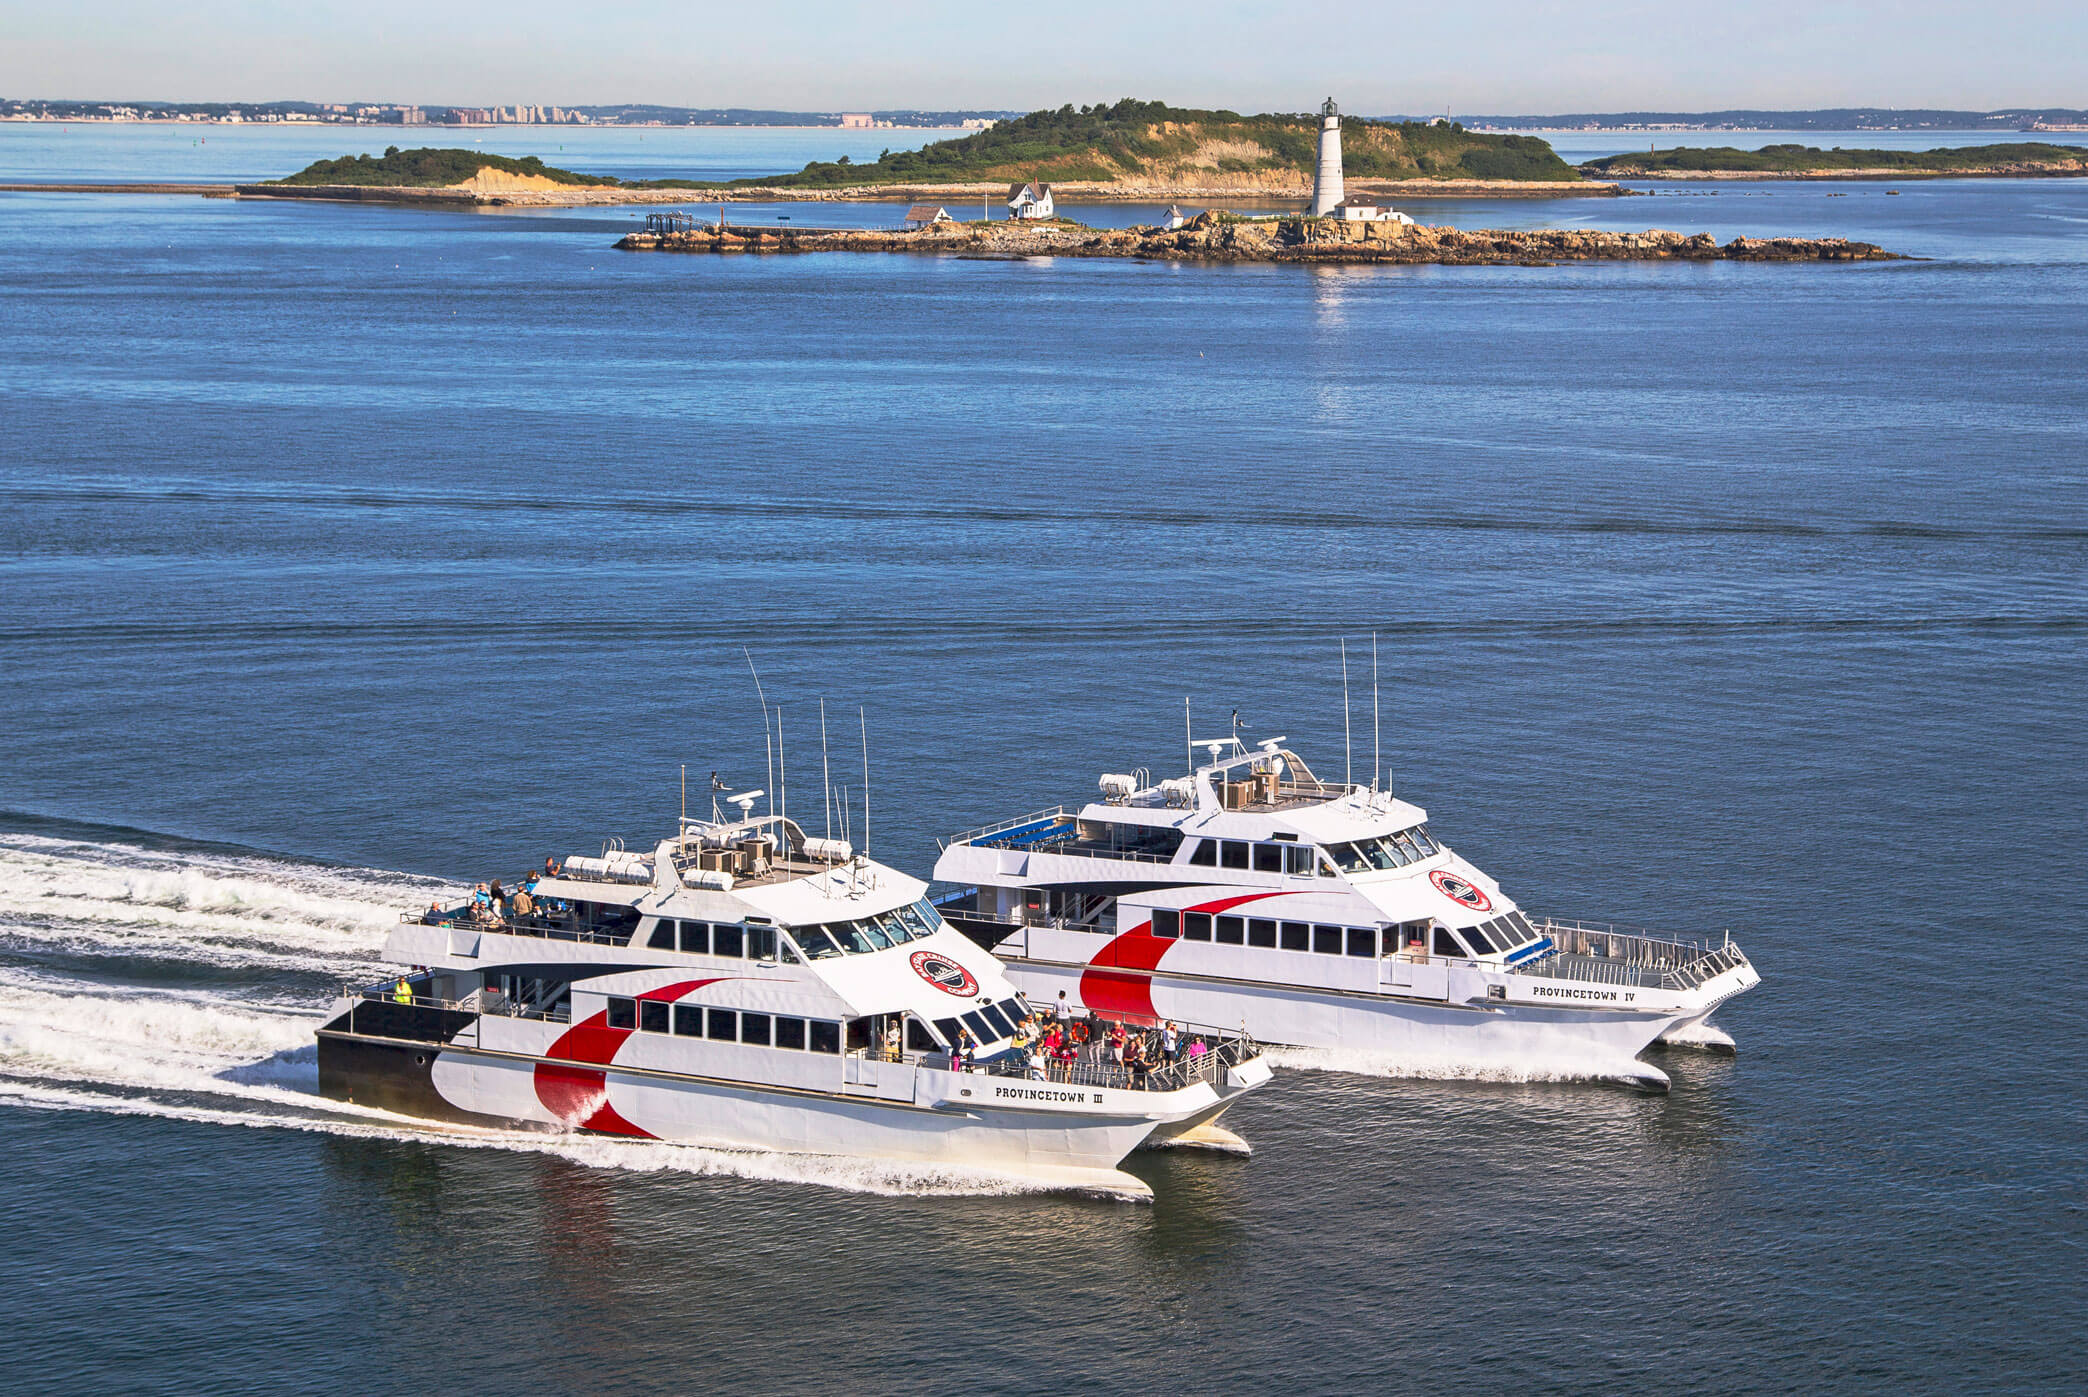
x: 403, y: 991
x: 550, y: 866
x: 961, y: 1056
x: 1064, y: 1012
x: 1171, y: 1041
x: 891, y: 1040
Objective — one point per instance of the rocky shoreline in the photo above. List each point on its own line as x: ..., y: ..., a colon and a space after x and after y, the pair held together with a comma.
x: 1213, y: 239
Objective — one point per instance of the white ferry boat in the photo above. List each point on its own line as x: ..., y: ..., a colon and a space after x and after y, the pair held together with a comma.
x: 745, y: 986
x: 1320, y: 915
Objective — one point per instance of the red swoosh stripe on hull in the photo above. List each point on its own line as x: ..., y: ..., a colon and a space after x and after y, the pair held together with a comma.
x: 1118, y: 982
x: 579, y: 1096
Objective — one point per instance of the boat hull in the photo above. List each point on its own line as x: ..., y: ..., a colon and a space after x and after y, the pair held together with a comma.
x: 1386, y: 1032
x: 1064, y: 1135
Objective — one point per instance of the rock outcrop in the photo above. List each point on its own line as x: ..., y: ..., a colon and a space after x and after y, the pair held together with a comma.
x: 1212, y: 238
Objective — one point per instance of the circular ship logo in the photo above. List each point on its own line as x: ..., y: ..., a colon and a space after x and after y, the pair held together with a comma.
x: 943, y: 973
x: 1460, y: 891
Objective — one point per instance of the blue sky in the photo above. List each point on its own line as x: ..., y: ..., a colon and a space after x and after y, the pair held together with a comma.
x: 1504, y: 56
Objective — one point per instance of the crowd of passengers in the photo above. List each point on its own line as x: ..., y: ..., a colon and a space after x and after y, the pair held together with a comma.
x: 1052, y: 1043
x: 490, y: 904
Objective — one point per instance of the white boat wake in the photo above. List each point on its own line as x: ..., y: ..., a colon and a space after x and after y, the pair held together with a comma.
x: 220, y: 1031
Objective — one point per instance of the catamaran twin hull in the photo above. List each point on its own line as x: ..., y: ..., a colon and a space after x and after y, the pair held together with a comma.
x: 452, y: 1065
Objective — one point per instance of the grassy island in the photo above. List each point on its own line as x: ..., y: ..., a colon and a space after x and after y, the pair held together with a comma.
x: 2010, y: 158
x: 429, y: 168
x: 1153, y: 143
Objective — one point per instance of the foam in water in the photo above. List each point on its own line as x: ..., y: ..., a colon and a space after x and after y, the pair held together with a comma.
x: 1552, y: 1067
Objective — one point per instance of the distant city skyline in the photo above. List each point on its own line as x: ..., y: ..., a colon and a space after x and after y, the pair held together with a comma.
x: 1519, y: 56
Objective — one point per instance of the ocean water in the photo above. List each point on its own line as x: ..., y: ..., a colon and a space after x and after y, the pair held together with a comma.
x: 350, y: 553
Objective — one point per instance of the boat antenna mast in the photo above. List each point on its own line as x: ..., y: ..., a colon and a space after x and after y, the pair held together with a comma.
x: 1348, y: 745
x: 1377, y: 747
x: 767, y: 739
x: 1188, y: 742
x: 863, y: 719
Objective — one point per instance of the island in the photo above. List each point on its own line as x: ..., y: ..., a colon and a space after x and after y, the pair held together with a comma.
x: 1130, y: 151
x: 1218, y: 237
x: 2008, y: 160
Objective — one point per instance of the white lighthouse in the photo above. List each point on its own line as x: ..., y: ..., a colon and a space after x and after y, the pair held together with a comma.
x: 1326, y: 180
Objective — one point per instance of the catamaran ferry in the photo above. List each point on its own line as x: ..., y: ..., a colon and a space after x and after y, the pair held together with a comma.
x: 1319, y: 915
x: 743, y: 985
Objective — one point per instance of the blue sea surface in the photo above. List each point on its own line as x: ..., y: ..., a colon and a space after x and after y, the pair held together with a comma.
x: 350, y: 552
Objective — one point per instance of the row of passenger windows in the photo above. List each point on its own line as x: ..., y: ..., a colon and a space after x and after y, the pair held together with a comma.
x: 726, y: 1025
x: 1260, y: 931
x: 1500, y: 934
x: 758, y: 940
x: 734, y: 941
x: 989, y: 1023
x: 865, y: 934
x: 1384, y: 850
x: 1279, y: 857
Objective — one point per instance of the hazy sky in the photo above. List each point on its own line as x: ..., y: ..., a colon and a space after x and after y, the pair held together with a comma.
x: 1504, y: 56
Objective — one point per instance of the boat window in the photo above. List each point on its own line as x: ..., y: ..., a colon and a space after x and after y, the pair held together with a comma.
x: 858, y: 1034
x: 817, y: 944
x: 1297, y: 936
x: 1205, y: 855
x: 948, y: 1029
x: 1480, y: 938
x: 1522, y: 923
x: 1347, y: 857
x: 662, y: 938
x: 999, y: 1021
x: 1383, y: 853
x: 623, y: 1013
x: 1362, y: 941
x: 1429, y: 847
x: 652, y: 1016
x: 761, y: 942
x: 1446, y: 944
x: 695, y: 938
x: 1268, y: 858
x: 727, y: 940
x: 789, y: 952
x: 1326, y: 940
x: 982, y: 1032
x: 790, y: 1033
x: 1232, y: 930
x: 754, y: 1028
x: 851, y: 938
x: 1298, y: 859
x: 1261, y: 932
x: 1167, y: 922
x: 918, y: 1038
x: 1196, y: 926
x: 688, y: 1021
x: 874, y: 933
x: 721, y: 1024
x: 1234, y: 854
x: 916, y: 924
x: 825, y: 1035
x: 1014, y: 1009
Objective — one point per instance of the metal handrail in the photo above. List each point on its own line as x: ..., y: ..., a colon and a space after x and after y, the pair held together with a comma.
x: 1630, y: 957
x: 972, y: 836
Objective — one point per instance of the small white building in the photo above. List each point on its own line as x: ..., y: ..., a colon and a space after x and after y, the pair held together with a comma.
x: 1032, y: 200
x: 1174, y: 218
x: 1356, y: 211
x: 921, y: 215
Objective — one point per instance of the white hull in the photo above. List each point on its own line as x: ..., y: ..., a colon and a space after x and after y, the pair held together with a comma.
x: 1420, y: 1037
x: 1060, y: 1135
